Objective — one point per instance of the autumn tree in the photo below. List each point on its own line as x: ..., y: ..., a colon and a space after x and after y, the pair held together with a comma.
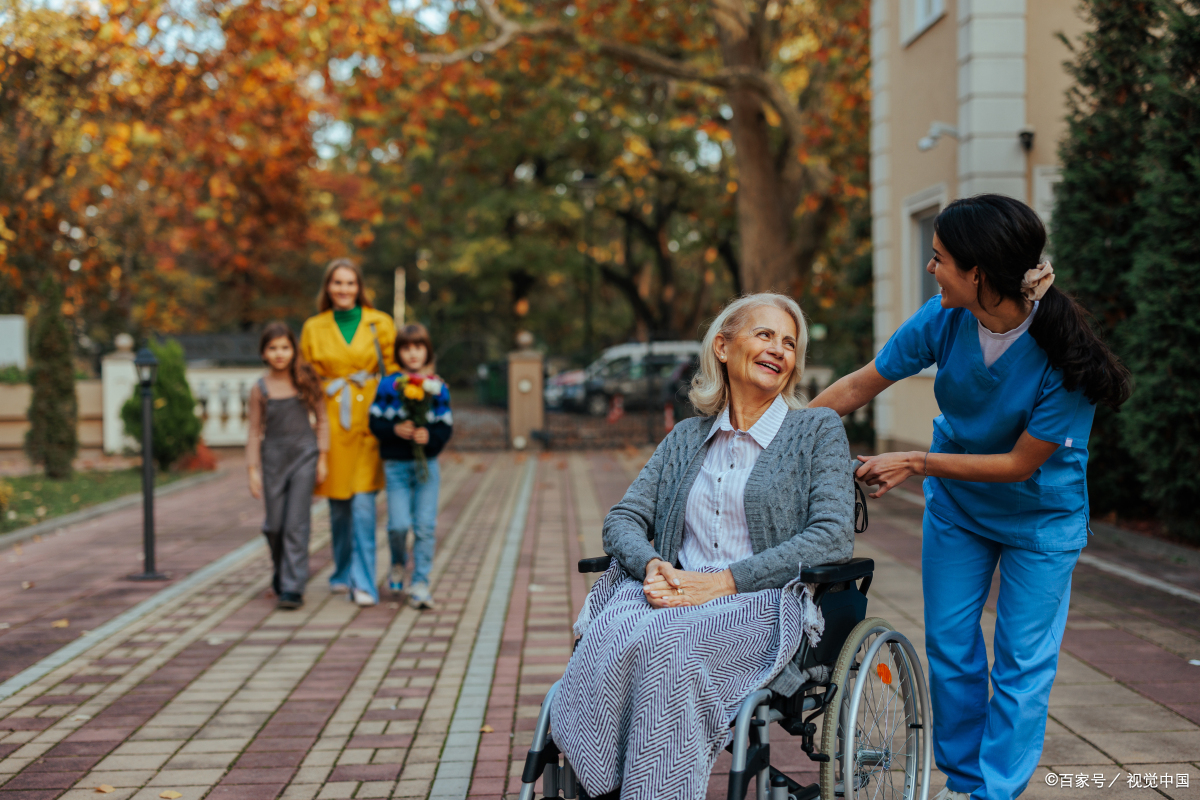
x: 793, y: 76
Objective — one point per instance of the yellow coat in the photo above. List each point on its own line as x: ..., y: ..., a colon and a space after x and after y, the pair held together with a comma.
x: 354, y: 464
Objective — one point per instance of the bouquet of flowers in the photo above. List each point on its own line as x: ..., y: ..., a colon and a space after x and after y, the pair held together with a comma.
x: 418, y: 392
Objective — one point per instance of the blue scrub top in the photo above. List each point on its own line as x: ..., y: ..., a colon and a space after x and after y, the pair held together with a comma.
x: 984, y: 411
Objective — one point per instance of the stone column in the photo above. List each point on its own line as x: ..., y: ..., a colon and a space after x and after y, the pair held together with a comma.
x: 525, y: 401
x: 118, y: 379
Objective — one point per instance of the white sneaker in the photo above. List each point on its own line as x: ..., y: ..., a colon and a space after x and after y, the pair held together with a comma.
x: 946, y: 794
x: 419, y: 596
x: 362, y: 598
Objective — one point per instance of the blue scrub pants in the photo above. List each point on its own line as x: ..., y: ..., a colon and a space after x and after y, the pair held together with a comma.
x: 352, y: 531
x: 412, y: 504
x: 990, y: 749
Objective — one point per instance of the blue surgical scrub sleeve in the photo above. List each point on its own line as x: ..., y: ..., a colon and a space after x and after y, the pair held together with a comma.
x: 1060, y: 417
x: 917, y: 344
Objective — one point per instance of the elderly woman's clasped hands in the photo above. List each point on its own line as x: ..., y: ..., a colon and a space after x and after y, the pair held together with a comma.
x: 668, y: 587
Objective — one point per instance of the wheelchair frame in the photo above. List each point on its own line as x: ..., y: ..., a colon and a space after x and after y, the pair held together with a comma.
x: 843, y: 603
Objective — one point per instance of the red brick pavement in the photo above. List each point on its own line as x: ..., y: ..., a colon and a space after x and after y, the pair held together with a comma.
x: 78, y: 574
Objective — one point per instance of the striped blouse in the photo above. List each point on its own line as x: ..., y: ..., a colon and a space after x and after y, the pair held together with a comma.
x: 715, y: 532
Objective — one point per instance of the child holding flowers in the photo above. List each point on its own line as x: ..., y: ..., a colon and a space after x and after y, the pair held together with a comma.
x: 411, y: 418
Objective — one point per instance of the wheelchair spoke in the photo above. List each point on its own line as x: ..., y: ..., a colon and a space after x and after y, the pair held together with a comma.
x: 883, y: 708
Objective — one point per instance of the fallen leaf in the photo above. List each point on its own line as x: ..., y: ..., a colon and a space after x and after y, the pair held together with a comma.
x: 81, y: 717
x: 487, y: 729
x: 27, y: 584
x: 170, y: 794
x: 61, y: 623
x: 104, y: 788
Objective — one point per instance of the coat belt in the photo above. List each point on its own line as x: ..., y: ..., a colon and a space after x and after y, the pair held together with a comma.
x: 342, y: 385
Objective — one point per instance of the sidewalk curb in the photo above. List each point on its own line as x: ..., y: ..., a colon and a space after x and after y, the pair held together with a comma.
x: 94, y: 637
x: 100, y: 509
x: 1111, y: 534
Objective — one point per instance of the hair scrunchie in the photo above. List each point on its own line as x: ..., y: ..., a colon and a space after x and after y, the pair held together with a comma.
x: 1037, y: 282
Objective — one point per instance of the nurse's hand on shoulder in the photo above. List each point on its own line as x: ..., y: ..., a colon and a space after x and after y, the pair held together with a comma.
x: 889, y: 470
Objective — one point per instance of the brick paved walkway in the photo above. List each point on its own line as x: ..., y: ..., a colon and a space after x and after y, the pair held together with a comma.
x: 215, y: 694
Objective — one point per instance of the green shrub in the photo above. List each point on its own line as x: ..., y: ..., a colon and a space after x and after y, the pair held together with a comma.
x: 52, y: 438
x: 1162, y: 426
x: 1094, y: 232
x: 176, y: 426
x: 13, y: 374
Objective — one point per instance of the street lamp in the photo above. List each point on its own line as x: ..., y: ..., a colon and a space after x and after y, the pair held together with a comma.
x: 588, y: 185
x: 147, y: 370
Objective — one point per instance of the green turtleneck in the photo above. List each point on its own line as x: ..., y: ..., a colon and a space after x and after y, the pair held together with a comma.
x: 347, y: 321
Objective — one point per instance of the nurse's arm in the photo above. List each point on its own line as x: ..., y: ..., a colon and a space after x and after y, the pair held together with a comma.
x: 889, y: 470
x: 850, y: 393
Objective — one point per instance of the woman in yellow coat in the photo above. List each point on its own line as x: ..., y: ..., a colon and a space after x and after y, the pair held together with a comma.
x: 349, y: 344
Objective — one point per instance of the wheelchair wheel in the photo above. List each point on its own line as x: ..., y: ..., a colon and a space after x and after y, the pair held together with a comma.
x: 875, y: 730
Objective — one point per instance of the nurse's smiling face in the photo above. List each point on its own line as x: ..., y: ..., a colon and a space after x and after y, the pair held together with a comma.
x: 762, y: 356
x: 960, y: 288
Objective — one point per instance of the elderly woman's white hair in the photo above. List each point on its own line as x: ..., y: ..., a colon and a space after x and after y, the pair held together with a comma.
x: 710, y: 386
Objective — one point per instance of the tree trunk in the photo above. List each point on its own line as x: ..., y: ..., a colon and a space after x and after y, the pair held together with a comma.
x: 763, y: 210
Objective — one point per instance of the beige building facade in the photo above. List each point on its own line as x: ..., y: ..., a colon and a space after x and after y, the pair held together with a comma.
x: 968, y: 97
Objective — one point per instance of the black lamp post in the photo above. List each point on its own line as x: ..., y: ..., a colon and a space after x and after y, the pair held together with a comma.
x: 147, y: 370
x: 588, y: 186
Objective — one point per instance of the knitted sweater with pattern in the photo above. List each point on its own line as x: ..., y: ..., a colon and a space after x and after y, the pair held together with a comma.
x: 799, y: 501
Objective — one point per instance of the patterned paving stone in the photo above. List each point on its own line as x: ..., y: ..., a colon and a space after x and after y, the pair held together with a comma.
x: 218, y: 696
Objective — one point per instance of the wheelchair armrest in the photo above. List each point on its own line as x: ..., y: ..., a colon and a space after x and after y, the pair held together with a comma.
x: 597, y: 564
x: 852, y: 570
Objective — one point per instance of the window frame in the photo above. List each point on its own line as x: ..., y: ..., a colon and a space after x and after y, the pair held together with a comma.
x: 915, y: 20
x: 914, y: 208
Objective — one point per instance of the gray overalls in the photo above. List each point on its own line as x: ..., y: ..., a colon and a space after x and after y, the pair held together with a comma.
x: 289, y: 470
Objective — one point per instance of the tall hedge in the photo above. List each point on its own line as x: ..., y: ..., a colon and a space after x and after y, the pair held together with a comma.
x: 176, y: 426
x: 1162, y: 425
x: 51, y: 439
x: 1095, y: 232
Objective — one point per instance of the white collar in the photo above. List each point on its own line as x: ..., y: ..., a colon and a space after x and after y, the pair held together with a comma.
x: 763, y: 432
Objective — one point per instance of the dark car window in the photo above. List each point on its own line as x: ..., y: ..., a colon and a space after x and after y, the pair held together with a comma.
x: 617, y: 368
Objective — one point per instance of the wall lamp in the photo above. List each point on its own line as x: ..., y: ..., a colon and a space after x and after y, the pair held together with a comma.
x: 936, y: 131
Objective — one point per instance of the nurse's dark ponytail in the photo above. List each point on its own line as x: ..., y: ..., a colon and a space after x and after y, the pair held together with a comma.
x: 1004, y: 238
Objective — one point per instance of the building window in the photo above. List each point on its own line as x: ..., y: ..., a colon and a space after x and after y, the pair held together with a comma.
x: 923, y: 237
x: 917, y: 16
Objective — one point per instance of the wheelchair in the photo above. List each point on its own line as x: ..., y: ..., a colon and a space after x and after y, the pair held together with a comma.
x: 869, y: 693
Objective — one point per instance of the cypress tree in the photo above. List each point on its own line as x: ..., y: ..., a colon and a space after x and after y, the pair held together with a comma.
x: 1162, y: 418
x: 176, y: 426
x: 1094, y: 230
x: 51, y: 438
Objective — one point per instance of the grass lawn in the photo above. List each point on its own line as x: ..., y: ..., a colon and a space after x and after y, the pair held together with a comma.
x: 36, y: 497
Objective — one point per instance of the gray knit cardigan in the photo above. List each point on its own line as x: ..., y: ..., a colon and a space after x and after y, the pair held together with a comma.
x: 799, y: 505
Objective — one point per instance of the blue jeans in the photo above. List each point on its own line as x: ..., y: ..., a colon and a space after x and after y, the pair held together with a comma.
x: 990, y: 748
x: 412, y: 504
x: 352, y: 528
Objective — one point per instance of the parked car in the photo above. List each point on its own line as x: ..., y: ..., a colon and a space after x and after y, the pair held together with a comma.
x: 637, y: 372
x: 676, y: 388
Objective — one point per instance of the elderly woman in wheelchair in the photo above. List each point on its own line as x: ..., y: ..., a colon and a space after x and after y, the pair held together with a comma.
x: 729, y: 597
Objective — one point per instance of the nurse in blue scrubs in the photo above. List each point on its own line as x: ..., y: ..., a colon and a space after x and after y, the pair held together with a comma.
x: 1020, y: 373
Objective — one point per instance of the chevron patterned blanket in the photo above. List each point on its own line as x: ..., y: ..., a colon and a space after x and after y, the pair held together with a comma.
x: 649, y: 694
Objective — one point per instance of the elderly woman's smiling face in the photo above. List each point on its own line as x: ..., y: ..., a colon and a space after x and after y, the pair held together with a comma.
x: 762, y: 356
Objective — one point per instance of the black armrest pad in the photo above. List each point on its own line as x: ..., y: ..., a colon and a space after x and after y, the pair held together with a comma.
x: 852, y: 570
x: 597, y: 564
